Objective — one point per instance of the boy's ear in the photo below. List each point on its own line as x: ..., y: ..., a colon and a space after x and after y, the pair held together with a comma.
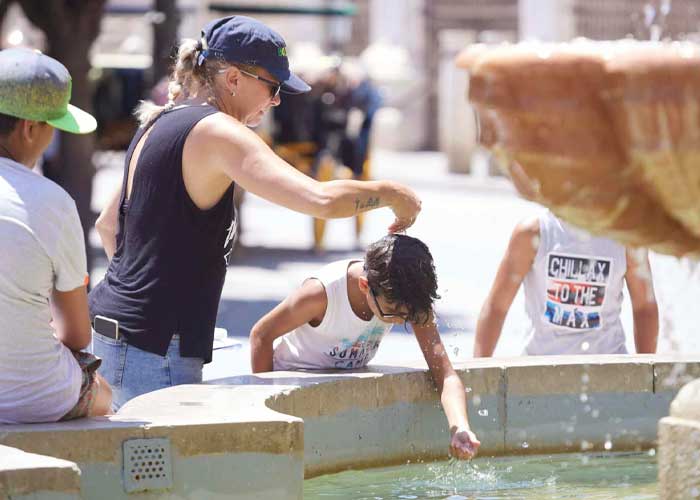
x: 25, y: 130
x: 363, y: 284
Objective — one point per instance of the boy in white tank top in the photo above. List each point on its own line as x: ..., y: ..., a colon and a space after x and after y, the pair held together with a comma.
x: 573, y: 292
x: 338, y: 317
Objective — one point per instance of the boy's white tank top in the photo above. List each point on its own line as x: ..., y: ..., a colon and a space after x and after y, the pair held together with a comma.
x: 573, y: 292
x: 341, y: 340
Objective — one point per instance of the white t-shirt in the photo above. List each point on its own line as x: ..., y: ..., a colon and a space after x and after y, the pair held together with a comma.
x: 41, y: 248
x: 341, y: 340
x: 573, y: 292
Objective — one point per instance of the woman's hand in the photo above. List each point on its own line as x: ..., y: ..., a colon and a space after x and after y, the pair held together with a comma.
x: 464, y: 444
x: 406, y: 207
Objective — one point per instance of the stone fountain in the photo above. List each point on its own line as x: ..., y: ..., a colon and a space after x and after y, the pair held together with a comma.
x: 607, y: 135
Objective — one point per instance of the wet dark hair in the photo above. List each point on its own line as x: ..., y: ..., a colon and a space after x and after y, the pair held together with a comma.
x: 7, y: 124
x: 400, y: 268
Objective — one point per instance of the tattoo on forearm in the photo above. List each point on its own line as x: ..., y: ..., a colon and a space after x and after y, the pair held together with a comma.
x: 371, y: 202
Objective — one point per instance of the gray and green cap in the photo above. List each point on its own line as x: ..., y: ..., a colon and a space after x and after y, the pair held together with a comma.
x: 36, y: 87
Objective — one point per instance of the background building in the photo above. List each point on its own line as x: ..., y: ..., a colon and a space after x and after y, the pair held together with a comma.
x: 407, y: 46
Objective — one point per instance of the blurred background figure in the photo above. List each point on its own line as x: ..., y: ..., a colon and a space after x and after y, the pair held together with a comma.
x: 326, y: 134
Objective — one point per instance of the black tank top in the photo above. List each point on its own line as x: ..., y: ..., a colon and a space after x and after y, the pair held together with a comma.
x: 168, y: 270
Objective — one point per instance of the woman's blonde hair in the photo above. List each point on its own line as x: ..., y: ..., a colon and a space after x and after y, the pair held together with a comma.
x: 187, y: 80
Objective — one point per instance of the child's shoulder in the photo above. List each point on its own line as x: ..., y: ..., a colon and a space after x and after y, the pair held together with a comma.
x: 334, y: 271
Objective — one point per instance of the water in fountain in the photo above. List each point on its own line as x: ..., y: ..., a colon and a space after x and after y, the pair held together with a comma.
x: 605, y: 476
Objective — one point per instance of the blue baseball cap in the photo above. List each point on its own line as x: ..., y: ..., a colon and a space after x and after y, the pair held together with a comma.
x: 244, y: 40
x: 37, y: 87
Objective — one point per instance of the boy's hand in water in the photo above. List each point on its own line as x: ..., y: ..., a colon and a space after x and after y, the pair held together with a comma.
x: 464, y: 444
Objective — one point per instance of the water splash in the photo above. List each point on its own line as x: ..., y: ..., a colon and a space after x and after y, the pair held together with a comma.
x: 608, y: 442
x: 654, y: 16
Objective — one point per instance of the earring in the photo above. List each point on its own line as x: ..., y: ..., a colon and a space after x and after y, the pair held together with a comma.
x: 233, y: 93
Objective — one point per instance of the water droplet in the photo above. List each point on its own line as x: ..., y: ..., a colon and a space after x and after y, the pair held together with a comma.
x: 544, y: 53
x: 587, y: 408
x: 476, y: 400
x: 525, y: 444
x: 652, y: 452
x: 484, y: 412
x: 585, y: 378
x: 583, y: 397
x: 585, y: 346
x: 608, y: 445
x: 595, y: 413
x: 467, y: 390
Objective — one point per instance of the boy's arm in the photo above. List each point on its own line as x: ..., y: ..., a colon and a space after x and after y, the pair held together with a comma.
x: 71, y: 318
x: 303, y: 305
x: 464, y: 443
x: 644, y: 308
x: 515, y: 265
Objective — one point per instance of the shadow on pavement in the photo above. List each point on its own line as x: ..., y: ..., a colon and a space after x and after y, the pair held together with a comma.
x: 272, y: 257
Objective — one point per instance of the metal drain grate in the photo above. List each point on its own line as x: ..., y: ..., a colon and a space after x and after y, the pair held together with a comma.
x: 147, y: 464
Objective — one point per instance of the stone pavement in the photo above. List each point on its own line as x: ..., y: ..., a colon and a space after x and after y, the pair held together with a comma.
x: 465, y: 221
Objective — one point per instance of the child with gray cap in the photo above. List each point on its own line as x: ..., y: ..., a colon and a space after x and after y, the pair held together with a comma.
x: 46, y: 376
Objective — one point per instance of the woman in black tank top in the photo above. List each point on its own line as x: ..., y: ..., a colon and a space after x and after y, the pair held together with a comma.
x: 169, y: 230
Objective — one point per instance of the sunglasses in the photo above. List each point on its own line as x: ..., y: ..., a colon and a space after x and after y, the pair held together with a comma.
x: 275, y: 87
x: 403, y: 317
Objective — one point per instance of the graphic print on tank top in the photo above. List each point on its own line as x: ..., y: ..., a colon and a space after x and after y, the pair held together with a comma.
x: 576, y: 287
x: 230, y: 240
x: 357, y: 353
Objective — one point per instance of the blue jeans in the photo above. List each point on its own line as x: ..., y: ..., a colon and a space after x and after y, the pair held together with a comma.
x: 132, y: 371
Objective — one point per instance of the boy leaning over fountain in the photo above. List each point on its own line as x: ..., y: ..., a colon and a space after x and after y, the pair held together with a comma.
x: 338, y: 317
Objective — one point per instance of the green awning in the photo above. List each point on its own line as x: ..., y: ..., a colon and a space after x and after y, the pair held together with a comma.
x: 337, y: 10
